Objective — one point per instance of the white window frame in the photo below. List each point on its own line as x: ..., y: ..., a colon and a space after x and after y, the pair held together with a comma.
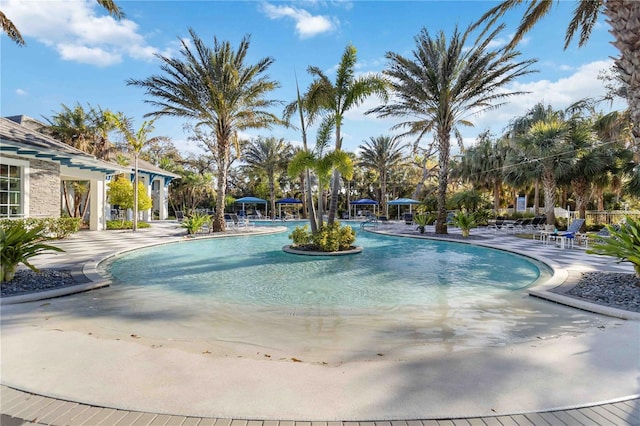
x: 23, y: 166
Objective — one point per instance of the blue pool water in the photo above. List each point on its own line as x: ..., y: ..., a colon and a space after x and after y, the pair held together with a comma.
x: 391, y: 272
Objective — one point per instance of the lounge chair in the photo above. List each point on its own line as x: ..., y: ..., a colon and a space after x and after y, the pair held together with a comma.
x: 568, y: 237
x: 408, y: 218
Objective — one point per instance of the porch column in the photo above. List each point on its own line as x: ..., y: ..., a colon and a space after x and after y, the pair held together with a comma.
x: 97, y: 203
x: 147, y: 215
x: 163, y: 204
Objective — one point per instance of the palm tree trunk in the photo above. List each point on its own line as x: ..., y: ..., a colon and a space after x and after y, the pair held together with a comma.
x: 272, y: 196
x: 425, y: 175
x: 443, y: 180
x: 313, y: 221
x: 222, y: 158
x: 549, y: 189
x: 65, y: 191
x: 580, y: 192
x: 624, y: 18
x: 496, y: 196
x: 135, y: 193
x: 335, y: 186
x: 536, y: 198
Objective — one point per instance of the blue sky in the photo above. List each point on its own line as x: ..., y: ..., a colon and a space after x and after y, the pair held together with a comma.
x: 75, y: 52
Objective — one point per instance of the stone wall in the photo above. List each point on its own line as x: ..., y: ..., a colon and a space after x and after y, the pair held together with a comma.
x: 44, y: 188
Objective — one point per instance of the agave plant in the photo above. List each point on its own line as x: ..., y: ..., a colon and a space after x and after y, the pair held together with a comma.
x: 623, y: 243
x: 423, y: 220
x: 19, y: 244
x: 194, y: 222
x: 464, y: 221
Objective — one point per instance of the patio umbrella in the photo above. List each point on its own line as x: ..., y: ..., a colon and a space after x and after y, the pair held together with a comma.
x: 403, y: 202
x: 365, y: 202
x: 286, y: 201
x: 252, y: 200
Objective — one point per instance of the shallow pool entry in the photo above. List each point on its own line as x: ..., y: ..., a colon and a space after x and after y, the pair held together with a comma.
x: 390, y: 273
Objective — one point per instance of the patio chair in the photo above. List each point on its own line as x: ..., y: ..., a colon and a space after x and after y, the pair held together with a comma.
x: 568, y: 237
x: 408, y: 218
x: 179, y: 215
x: 498, y: 225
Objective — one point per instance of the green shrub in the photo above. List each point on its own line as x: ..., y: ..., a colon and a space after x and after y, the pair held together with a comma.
x: 194, y: 222
x: 52, y: 227
x: 301, y: 236
x: 19, y: 244
x: 126, y: 224
x: 464, y: 221
x: 623, y: 244
x: 330, y: 238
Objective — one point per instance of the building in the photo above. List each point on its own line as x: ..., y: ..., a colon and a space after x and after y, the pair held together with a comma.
x: 34, y: 166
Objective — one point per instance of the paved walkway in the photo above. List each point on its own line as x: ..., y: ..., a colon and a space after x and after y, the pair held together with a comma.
x: 84, y: 249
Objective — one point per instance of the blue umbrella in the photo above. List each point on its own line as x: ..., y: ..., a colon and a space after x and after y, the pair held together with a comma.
x: 365, y: 202
x: 403, y: 202
x: 286, y: 201
x: 252, y: 200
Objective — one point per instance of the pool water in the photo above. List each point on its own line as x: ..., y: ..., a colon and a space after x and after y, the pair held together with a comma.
x: 391, y: 272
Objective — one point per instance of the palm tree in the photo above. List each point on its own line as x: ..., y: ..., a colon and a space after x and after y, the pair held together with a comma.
x: 14, y: 34
x: 382, y: 154
x: 624, y: 19
x: 443, y: 85
x: 482, y: 165
x: 335, y: 99
x: 220, y: 92
x: 270, y: 156
x: 546, y: 144
x: 86, y: 130
x: 136, y: 141
x: 323, y: 166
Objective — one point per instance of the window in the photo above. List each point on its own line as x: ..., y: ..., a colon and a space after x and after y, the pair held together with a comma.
x: 11, y: 190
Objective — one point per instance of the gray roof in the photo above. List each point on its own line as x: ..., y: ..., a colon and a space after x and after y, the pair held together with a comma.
x: 18, y: 135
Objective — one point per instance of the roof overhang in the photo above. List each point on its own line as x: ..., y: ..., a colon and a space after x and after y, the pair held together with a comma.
x: 70, y: 160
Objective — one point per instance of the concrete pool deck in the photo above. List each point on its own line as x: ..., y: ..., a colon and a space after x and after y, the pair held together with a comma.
x: 44, y: 353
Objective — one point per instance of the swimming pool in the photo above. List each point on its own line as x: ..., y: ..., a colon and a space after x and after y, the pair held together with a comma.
x: 390, y: 273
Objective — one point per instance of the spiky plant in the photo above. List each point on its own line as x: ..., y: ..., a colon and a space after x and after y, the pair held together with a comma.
x: 19, y: 244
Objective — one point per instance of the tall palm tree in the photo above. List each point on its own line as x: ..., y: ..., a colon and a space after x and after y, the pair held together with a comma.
x: 444, y: 83
x: 624, y: 19
x: 14, y: 34
x: 335, y: 99
x: 219, y: 91
x: 136, y: 141
x: 270, y: 156
x: 382, y: 154
x: 307, y: 112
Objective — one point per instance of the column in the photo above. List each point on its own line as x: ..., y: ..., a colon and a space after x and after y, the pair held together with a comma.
x: 97, y: 220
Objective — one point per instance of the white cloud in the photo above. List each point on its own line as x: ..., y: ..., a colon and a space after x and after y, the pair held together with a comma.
x: 559, y: 94
x: 307, y: 25
x: 75, y: 29
x: 21, y: 92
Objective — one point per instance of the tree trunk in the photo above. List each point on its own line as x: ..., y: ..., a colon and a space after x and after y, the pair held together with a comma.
x: 443, y: 180
x: 272, y: 196
x: 222, y: 159
x: 549, y: 189
x: 536, y: 198
x: 313, y: 221
x: 580, y: 192
x: 425, y: 175
x: 624, y: 18
x: 335, y: 186
x: 496, y: 196
x: 135, y: 193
